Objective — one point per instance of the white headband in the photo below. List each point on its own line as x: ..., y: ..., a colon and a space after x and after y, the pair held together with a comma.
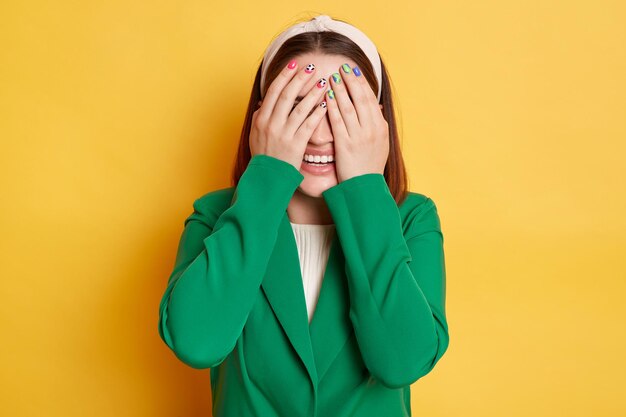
x: 324, y: 23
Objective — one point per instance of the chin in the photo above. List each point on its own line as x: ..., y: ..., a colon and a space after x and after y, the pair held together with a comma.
x: 314, y: 185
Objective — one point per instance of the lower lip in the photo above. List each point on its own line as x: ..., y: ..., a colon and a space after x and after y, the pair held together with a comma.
x: 317, y: 170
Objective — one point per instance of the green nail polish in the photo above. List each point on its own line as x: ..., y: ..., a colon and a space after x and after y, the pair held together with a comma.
x: 346, y: 68
x: 331, y: 93
x: 336, y: 77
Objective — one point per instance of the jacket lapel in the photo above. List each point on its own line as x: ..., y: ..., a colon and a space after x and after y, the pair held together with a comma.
x: 283, y: 288
x: 318, y: 344
x: 331, y: 325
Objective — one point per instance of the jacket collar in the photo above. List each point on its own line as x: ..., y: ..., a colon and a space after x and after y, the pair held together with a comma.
x: 319, y: 343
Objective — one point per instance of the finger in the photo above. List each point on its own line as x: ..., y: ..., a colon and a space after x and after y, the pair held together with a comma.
x: 335, y: 117
x: 303, y: 109
x: 344, y: 103
x: 369, y: 94
x: 358, y: 92
x: 285, y: 99
x: 275, y: 88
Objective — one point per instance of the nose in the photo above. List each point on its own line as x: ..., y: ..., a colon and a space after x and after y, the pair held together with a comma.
x: 323, y: 134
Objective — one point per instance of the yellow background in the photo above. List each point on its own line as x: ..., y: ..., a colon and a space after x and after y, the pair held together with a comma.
x: 116, y: 115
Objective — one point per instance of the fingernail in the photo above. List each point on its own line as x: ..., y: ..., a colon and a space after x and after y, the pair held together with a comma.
x: 336, y: 77
x: 331, y: 94
x: 323, y: 104
x: 292, y: 64
x: 321, y: 83
x: 346, y: 68
x: 357, y: 71
x: 309, y: 68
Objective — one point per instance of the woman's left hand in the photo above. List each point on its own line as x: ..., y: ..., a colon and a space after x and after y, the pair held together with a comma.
x: 360, y: 132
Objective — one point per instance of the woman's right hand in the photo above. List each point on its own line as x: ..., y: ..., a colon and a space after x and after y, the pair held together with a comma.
x: 278, y: 131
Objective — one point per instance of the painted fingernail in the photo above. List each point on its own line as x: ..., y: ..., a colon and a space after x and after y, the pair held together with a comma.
x: 323, y: 104
x: 309, y: 68
x: 292, y: 64
x: 346, y: 68
x: 321, y: 83
x: 331, y: 94
x: 357, y: 71
x: 336, y: 77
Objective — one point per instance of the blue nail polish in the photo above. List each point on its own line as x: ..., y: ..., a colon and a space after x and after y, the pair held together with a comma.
x: 356, y: 71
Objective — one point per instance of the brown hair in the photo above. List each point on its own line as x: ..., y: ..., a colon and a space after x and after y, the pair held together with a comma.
x: 331, y: 43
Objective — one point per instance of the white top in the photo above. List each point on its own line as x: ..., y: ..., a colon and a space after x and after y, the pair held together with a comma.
x: 313, y: 241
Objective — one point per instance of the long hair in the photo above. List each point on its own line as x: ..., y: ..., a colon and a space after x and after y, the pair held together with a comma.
x: 331, y: 43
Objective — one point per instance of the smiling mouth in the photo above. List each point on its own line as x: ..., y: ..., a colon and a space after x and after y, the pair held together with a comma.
x: 319, y: 164
x: 314, y: 158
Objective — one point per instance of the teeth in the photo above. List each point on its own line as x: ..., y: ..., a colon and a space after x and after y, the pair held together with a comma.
x: 318, y: 158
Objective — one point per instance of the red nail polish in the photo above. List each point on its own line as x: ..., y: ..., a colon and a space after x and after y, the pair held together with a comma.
x: 292, y: 64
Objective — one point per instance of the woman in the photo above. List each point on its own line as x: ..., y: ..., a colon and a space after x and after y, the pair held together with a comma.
x: 302, y: 233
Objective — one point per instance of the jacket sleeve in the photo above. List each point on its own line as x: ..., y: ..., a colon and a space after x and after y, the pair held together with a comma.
x: 219, y: 267
x: 396, y: 284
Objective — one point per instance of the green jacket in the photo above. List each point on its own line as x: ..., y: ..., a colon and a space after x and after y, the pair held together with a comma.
x: 235, y: 300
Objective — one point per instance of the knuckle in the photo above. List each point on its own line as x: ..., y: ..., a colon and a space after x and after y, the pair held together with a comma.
x: 309, y: 124
x: 259, y: 125
x: 349, y: 111
x: 299, y: 110
x: 274, y: 130
x: 283, y: 96
x: 259, y: 118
